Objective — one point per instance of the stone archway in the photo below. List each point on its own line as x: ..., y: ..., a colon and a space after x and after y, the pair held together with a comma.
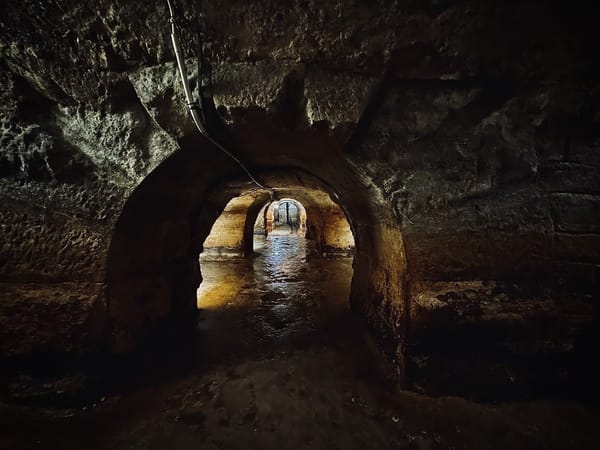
x: 232, y: 233
x: 153, y: 268
x: 274, y: 217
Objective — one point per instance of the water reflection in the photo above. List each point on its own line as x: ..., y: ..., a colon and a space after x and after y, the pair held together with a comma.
x: 285, y: 292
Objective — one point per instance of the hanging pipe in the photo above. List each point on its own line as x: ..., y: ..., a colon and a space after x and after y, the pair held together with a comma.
x: 194, y: 107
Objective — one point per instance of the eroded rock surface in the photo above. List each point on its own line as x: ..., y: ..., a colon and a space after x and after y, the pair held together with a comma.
x: 461, y: 137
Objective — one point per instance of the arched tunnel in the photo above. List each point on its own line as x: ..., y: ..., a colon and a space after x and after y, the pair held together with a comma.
x: 256, y: 224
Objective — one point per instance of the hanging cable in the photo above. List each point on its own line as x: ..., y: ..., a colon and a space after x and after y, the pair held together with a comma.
x: 200, y: 77
x: 194, y: 107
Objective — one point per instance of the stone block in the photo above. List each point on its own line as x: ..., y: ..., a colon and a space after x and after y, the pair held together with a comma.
x: 51, y: 318
x: 576, y: 213
x: 577, y: 247
x: 571, y: 178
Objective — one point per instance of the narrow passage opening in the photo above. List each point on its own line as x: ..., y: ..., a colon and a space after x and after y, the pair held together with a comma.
x: 285, y: 295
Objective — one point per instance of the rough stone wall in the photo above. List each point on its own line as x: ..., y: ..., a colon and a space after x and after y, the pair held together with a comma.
x: 70, y: 154
x: 226, y: 236
x: 461, y: 136
x: 337, y: 235
x: 477, y: 165
x: 56, y: 212
x: 231, y: 234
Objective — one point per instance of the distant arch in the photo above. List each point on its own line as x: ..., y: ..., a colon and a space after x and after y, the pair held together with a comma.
x: 274, y: 216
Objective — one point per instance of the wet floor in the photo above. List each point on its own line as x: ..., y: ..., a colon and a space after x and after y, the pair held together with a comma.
x: 285, y: 297
x: 279, y: 362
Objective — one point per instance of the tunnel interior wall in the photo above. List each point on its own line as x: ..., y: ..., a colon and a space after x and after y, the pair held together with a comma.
x: 337, y: 235
x: 325, y: 223
x: 462, y: 138
x: 228, y: 236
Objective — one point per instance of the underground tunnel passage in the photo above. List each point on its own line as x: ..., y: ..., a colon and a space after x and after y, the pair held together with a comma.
x: 286, y: 216
x: 285, y: 291
x: 255, y: 224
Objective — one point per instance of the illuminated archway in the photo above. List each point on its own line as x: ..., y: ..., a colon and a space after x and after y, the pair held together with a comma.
x: 279, y: 213
x: 153, y: 269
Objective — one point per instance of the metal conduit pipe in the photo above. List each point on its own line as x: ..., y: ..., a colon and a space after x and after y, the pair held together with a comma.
x: 194, y: 107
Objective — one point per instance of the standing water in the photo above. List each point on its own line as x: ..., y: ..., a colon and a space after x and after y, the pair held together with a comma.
x: 284, y: 298
x: 279, y: 362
